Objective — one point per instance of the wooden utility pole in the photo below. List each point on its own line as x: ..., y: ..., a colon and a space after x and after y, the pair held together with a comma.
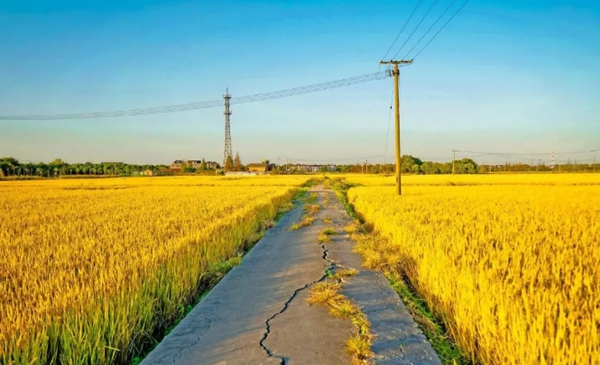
x: 396, y: 73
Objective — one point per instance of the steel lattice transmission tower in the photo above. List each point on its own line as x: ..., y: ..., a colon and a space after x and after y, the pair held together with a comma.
x: 227, y: 152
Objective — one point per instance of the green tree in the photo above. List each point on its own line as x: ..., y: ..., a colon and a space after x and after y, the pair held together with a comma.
x: 469, y: 166
x: 345, y: 169
x: 237, y: 162
x: 57, y: 166
x: 202, y: 165
x: 430, y: 168
x: 415, y: 169
x: 407, y: 162
x: 229, y: 163
x: 3, y: 168
x: 9, y: 165
x: 446, y: 168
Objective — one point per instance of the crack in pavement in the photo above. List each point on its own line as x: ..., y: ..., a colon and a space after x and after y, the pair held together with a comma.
x: 285, y: 307
x: 332, y: 266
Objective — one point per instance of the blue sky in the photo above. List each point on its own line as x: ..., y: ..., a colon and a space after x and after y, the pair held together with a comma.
x: 504, y: 76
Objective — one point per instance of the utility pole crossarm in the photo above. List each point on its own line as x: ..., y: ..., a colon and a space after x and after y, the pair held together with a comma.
x: 399, y: 62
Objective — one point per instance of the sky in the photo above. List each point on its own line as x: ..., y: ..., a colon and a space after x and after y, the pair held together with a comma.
x: 511, y: 76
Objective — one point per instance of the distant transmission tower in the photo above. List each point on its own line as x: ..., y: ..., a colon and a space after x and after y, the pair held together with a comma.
x: 227, y: 152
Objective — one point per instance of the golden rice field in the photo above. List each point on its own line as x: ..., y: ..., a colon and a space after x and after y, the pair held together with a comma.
x: 511, y: 263
x: 91, y: 269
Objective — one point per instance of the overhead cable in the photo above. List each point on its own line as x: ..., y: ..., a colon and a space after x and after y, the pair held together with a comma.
x: 206, y: 104
x: 430, y: 28
x: 402, y: 30
x: 442, y: 28
x: 387, y: 138
x: 414, y: 30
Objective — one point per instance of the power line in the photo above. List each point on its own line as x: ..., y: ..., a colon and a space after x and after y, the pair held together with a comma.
x: 402, y: 30
x: 442, y: 28
x: 417, y: 27
x: 309, y: 88
x: 207, y: 104
x: 430, y: 28
x: 387, y: 139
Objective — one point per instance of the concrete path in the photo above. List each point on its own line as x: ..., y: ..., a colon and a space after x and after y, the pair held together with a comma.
x: 257, y: 314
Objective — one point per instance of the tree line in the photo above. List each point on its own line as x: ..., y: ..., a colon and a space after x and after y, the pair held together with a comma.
x: 10, y: 166
x: 414, y: 165
x: 410, y: 165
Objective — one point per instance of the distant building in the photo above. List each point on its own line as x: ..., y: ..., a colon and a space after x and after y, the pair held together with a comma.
x: 147, y: 172
x: 210, y: 165
x: 176, y: 164
x: 194, y: 163
x: 259, y: 168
